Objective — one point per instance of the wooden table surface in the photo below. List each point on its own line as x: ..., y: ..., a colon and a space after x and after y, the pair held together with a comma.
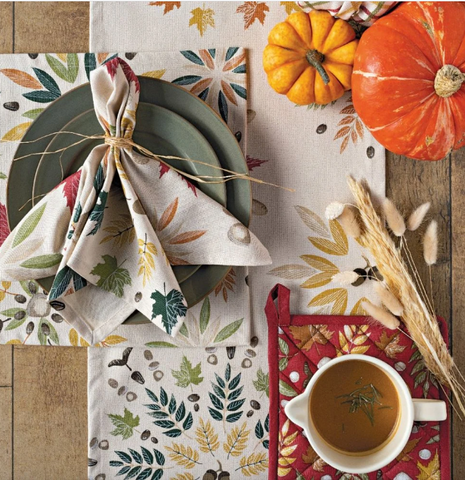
x: 43, y: 390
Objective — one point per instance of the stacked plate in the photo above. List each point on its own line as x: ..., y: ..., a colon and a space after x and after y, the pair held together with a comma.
x: 170, y: 121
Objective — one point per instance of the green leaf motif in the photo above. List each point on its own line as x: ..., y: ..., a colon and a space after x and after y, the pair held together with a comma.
x: 223, y: 405
x: 12, y: 324
x: 263, y: 382
x: 283, y: 346
x: 148, y: 457
x: 33, y: 114
x: 52, y: 336
x: 112, y: 278
x: 90, y: 63
x: 42, y: 261
x: 124, y: 456
x: 187, y: 375
x: 3, y: 176
x: 47, y: 81
x: 161, y: 344
x: 286, y: 390
x: 69, y: 73
x: 62, y: 281
x: 204, y: 315
x: 28, y: 225
x: 96, y: 215
x: 40, y: 96
x: 170, y: 307
x: 228, y: 331
x: 11, y: 312
x: 124, y: 424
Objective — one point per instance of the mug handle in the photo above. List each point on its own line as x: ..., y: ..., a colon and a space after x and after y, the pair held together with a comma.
x: 427, y: 410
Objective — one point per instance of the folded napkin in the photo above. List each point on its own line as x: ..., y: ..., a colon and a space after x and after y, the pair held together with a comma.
x: 365, y: 13
x: 111, y: 231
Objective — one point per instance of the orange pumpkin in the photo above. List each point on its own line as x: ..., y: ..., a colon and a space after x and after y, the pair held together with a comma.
x: 309, y: 57
x: 407, y: 81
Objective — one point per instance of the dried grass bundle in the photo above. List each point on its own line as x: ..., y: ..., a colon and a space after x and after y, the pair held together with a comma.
x: 382, y: 316
x: 417, y: 216
x: 389, y: 300
x: 430, y: 244
x: 394, y: 219
x: 349, y: 222
x: 417, y: 317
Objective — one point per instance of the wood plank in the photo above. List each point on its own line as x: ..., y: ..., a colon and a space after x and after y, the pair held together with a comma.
x: 458, y: 295
x: 6, y: 451
x: 50, y: 389
x: 50, y: 412
x: 5, y: 365
x: 409, y: 184
x: 51, y: 27
x: 6, y: 27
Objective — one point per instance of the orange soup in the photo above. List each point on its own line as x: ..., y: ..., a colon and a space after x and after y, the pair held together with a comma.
x: 354, y: 406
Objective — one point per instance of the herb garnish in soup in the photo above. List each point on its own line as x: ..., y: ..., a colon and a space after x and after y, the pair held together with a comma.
x: 354, y: 407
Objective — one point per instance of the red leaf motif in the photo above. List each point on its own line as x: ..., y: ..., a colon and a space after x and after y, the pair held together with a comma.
x: 254, y: 162
x: 165, y: 169
x: 4, y: 229
x: 70, y: 189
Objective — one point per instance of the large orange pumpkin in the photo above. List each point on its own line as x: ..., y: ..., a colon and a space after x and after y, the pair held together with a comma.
x: 407, y: 81
x: 309, y: 57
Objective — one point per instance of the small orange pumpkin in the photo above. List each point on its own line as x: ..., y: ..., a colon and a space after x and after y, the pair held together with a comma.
x: 309, y: 57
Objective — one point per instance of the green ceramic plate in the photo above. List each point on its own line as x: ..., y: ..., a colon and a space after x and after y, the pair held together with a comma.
x: 155, y: 92
x: 174, y: 136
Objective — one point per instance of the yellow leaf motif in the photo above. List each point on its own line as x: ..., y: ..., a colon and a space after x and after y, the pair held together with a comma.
x: 6, y: 285
x: 114, y: 340
x: 62, y: 56
x: 2, y: 295
x: 253, y: 464
x: 184, y: 456
x: 430, y: 472
x: 183, y: 476
x: 73, y: 337
x: 202, y: 18
x: 16, y: 133
x: 353, y: 339
x: 285, y: 450
x: 14, y: 342
x: 154, y: 73
x: 236, y: 441
x: 206, y: 437
x: 340, y: 245
x: 290, y: 7
x: 357, y: 309
x: 146, y: 262
x: 22, y: 79
x: 335, y: 296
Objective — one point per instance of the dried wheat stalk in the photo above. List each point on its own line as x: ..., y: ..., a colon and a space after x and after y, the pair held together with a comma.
x: 419, y: 320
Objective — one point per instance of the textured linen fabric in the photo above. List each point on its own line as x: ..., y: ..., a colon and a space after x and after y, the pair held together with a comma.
x: 310, y: 149
x: 29, y: 83
x: 114, y: 184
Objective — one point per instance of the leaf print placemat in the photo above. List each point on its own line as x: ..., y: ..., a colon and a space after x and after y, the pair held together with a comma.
x: 298, y: 345
x: 28, y: 84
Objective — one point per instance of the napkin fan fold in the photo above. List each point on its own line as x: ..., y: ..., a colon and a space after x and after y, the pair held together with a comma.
x: 111, y: 232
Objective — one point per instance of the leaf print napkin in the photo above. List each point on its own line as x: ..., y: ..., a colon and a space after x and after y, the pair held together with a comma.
x: 100, y: 279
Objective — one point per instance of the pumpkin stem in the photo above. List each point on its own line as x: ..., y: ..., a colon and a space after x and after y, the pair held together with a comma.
x: 448, y: 80
x: 315, y: 59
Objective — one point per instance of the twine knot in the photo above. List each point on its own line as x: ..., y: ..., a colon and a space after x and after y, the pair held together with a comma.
x: 119, y: 142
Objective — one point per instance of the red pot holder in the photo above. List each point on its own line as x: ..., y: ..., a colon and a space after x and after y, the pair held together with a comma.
x: 297, y: 345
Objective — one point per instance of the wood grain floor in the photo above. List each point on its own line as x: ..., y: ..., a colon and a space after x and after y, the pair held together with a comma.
x: 39, y: 414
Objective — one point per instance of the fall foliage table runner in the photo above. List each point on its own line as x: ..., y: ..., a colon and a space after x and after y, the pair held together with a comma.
x: 299, y: 345
x: 308, y: 149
